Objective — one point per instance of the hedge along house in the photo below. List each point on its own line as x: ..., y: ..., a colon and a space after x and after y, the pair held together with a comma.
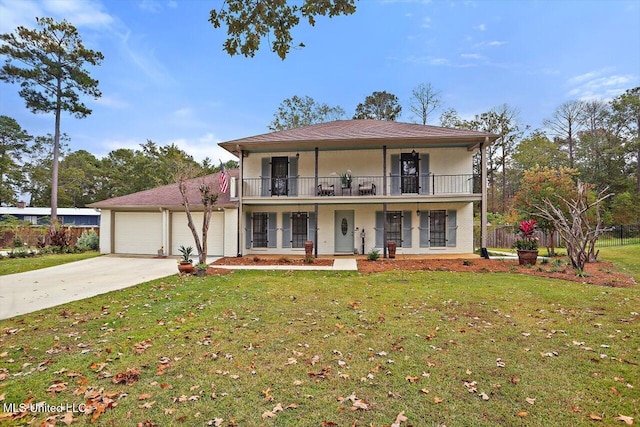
x: 143, y: 223
x: 354, y: 185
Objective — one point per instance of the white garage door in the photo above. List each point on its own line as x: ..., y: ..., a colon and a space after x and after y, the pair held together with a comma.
x: 181, y: 233
x: 137, y: 233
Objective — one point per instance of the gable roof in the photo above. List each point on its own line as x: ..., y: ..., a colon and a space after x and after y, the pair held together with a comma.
x: 354, y: 134
x: 169, y: 197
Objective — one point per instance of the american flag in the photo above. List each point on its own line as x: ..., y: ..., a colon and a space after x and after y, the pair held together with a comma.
x: 223, y: 178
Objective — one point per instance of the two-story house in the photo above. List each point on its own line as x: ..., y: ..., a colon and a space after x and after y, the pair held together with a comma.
x: 354, y: 185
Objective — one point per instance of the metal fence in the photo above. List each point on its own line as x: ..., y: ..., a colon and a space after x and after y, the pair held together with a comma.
x: 503, y: 236
x: 620, y: 235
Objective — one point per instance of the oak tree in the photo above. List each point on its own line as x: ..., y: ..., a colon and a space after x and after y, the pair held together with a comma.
x: 249, y: 21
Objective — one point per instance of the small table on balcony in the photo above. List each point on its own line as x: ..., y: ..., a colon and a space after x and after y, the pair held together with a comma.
x: 344, y: 189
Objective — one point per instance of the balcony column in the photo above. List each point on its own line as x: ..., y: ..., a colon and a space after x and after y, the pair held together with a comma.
x: 483, y: 204
x: 315, y: 174
x: 384, y: 170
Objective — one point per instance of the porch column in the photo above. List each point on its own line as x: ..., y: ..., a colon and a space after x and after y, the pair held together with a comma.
x: 315, y: 207
x: 483, y: 204
x: 384, y: 230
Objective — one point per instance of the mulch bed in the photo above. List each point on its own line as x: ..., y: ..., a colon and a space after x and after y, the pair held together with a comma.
x: 599, y: 273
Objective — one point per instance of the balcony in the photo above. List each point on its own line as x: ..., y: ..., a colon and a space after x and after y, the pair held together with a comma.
x: 362, y: 186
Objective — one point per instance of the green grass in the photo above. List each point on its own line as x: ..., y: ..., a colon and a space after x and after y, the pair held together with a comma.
x: 233, y: 347
x: 627, y: 258
x: 20, y: 265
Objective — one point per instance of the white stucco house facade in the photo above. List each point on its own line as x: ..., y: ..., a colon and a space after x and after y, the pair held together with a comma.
x: 351, y: 186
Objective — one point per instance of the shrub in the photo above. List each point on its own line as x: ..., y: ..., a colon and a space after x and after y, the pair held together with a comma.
x: 88, y: 241
x: 373, y: 255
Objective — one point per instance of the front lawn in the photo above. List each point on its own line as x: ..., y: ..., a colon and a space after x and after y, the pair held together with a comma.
x: 257, y: 348
x: 20, y: 265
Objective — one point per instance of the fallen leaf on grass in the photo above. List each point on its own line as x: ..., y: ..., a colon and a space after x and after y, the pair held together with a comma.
x: 437, y: 400
x: 522, y: 414
x: 530, y: 400
x: 627, y: 420
x: 412, y: 379
x: 131, y: 376
x: 147, y: 405
x: 144, y: 396
x: 595, y: 417
x: 399, y: 419
x: 68, y: 418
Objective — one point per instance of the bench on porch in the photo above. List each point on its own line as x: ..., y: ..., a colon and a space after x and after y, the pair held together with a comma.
x: 326, y: 189
x: 367, y: 188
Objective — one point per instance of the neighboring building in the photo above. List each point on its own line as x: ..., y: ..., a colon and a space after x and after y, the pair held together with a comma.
x: 78, y: 217
x: 147, y: 221
x: 352, y: 186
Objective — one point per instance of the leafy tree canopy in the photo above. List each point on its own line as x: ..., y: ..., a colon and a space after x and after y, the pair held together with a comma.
x: 249, y: 21
x: 303, y: 111
x: 379, y: 106
x: 13, y: 144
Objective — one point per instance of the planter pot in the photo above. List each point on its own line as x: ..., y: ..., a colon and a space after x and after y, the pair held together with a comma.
x: 527, y: 257
x: 201, y: 272
x: 185, y: 267
x: 308, y: 248
x: 391, y: 246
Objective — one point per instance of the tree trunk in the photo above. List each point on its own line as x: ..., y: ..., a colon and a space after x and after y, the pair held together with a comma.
x: 56, y: 155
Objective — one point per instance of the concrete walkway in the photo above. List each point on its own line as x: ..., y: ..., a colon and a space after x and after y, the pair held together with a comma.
x: 339, y: 264
x: 34, y: 290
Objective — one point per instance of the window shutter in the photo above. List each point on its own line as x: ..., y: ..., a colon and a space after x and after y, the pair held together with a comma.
x: 247, y: 230
x: 286, y: 229
x: 266, y: 177
x: 311, y: 227
x: 272, y: 237
x: 293, y: 176
x: 424, y: 174
x: 379, y: 229
x: 452, y: 228
x: 395, y: 174
x: 424, y: 230
x: 406, y: 229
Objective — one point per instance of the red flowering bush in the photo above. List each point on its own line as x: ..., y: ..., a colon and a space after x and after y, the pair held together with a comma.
x: 526, y: 241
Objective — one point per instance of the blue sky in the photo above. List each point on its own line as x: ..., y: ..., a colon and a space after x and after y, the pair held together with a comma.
x: 165, y: 77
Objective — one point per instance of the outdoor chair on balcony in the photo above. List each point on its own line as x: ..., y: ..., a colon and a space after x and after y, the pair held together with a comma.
x: 326, y: 189
x: 367, y: 188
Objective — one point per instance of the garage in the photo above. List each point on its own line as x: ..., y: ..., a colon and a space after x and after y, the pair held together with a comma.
x: 137, y: 232
x: 181, y: 233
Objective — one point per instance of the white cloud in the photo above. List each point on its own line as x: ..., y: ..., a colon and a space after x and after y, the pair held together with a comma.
x: 111, y: 102
x: 79, y: 13
x: 599, y: 84
x: 471, y: 56
x: 16, y: 13
x: 481, y: 27
x: 426, y: 22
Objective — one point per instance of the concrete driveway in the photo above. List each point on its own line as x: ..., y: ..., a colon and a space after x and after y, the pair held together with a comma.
x: 34, y: 290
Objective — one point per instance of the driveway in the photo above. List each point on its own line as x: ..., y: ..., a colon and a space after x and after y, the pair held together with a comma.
x: 34, y: 290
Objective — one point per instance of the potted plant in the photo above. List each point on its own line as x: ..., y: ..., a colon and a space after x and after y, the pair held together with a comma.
x: 201, y: 269
x: 345, y: 179
x: 185, y: 264
x: 391, y: 247
x: 527, y: 243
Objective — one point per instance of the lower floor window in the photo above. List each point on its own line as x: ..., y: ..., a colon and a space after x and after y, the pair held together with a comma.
x: 394, y: 227
x: 260, y: 229
x: 437, y: 228
x: 299, y: 222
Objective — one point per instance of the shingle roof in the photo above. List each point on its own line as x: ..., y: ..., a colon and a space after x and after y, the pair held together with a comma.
x: 363, y: 130
x: 168, y: 196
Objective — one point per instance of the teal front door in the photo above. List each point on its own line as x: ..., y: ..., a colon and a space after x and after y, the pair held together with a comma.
x: 343, y: 232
